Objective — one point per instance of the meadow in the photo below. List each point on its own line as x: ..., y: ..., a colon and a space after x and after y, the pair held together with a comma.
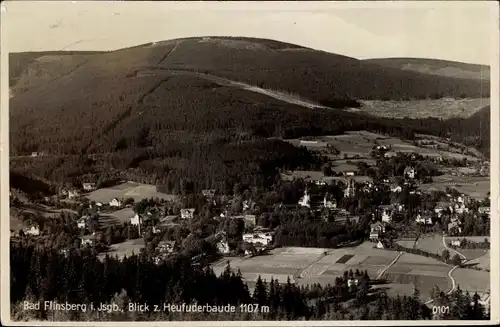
x: 439, y: 108
x: 136, y: 191
x: 397, y: 273
x: 474, y: 187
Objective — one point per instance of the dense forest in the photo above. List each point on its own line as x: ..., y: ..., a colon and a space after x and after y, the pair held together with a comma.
x: 79, y: 277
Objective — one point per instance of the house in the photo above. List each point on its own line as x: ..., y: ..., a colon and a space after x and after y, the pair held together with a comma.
x: 456, y: 242
x: 73, y: 194
x: 64, y: 252
x: 34, y: 230
x: 136, y: 220
x: 484, y: 210
x: 187, y: 213
x: 99, y: 204
x: 82, y: 222
x: 441, y: 207
x: 352, y: 282
x: 305, y: 201
x: 248, y: 205
x: 396, y: 189
x: 115, y: 203
x: 390, y: 154
x: 386, y: 213
x: 89, y: 187
x: 460, y: 208
x: 351, y: 189
x: 410, y: 172
x: 166, y: 246
x: 208, y: 193
x: 350, y: 173
x: 380, y: 245
x: 258, y: 238
x: 329, y: 202
x: 461, y: 198
x: 376, y: 230
x: 381, y: 148
x: 454, y: 226
x: 426, y: 220
x: 86, y: 241
x: 250, y: 221
x: 223, y: 247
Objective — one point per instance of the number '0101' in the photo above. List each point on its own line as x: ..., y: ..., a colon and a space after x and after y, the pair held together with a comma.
x: 440, y: 309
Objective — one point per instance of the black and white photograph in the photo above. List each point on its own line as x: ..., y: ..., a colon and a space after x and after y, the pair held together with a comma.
x: 240, y: 162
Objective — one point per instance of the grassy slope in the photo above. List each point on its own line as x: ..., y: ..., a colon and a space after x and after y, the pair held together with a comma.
x: 436, y: 67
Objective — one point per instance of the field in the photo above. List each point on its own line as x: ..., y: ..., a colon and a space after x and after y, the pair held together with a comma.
x: 118, y: 217
x: 316, y: 265
x: 422, y: 272
x: 472, y: 280
x: 124, y: 249
x: 475, y: 187
x: 431, y: 243
x: 311, y: 265
x: 360, y: 144
x: 406, y: 242
x: 440, y: 108
x: 482, y: 262
x: 125, y: 190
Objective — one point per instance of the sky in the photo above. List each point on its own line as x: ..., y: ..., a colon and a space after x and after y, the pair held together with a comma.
x: 458, y: 31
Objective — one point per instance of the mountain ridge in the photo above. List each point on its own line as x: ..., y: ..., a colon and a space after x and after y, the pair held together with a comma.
x: 99, y: 101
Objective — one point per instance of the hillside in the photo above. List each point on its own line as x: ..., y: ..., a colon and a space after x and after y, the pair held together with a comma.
x: 436, y: 67
x: 99, y: 102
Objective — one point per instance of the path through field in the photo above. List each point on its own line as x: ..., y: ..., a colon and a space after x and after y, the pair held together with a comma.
x: 453, y: 282
x: 390, y: 265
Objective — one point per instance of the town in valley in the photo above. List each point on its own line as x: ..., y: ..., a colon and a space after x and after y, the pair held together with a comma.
x: 231, y: 178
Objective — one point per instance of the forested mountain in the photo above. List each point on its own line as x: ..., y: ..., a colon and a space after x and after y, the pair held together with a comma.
x: 135, y: 97
x: 173, y: 109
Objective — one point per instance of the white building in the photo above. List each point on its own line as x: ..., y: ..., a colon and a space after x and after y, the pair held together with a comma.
x: 386, y: 215
x: 484, y: 210
x: 89, y: 186
x: 410, y: 172
x: 136, y: 220
x: 87, y: 241
x: 454, y: 226
x: 115, y: 203
x: 329, y: 203
x: 352, y: 282
x: 351, y: 189
x: 223, y: 247
x: 455, y: 242
x: 258, y: 238
x: 380, y: 245
x: 82, y: 222
x: 247, y: 205
x: 305, y: 201
x: 33, y: 230
x: 426, y: 220
x: 187, y: 213
x: 73, y: 194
